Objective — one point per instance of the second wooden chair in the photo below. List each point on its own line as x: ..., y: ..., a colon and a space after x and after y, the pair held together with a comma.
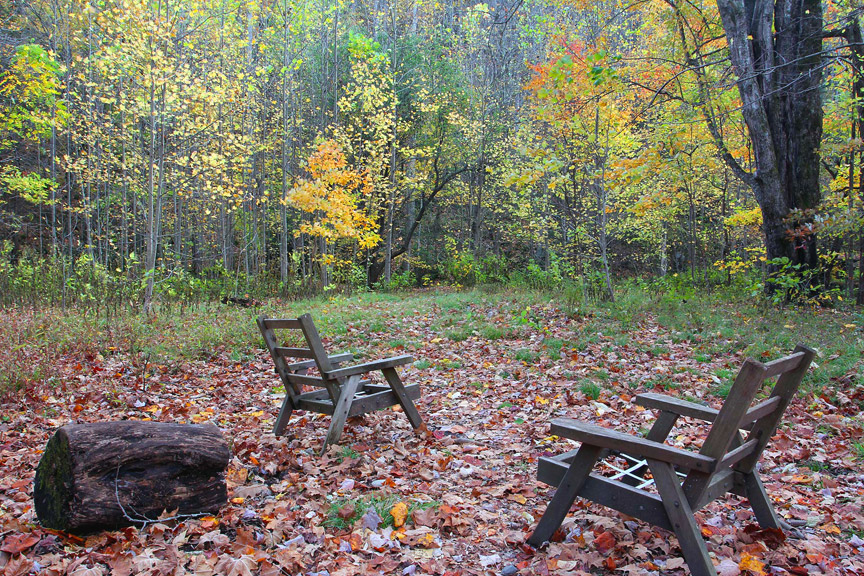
x: 680, y: 481
x: 338, y: 389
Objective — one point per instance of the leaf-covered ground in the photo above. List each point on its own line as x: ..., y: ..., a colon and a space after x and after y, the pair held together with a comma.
x: 464, y: 496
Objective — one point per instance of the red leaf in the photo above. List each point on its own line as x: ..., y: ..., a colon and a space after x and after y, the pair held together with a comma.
x: 604, y: 542
x: 17, y: 543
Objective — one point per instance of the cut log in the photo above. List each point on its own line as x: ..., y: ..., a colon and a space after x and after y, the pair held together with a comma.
x: 111, y: 474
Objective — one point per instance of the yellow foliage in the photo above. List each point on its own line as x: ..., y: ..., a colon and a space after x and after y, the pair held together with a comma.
x: 752, y: 217
x: 331, y: 195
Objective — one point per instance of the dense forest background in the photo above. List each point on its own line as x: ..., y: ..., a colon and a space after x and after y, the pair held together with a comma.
x: 164, y: 151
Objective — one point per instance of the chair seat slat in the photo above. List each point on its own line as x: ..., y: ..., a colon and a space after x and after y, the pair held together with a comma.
x: 734, y: 456
x: 760, y: 410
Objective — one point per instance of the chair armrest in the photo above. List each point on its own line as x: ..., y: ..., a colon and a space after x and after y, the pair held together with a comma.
x: 632, y: 445
x: 369, y: 367
x: 676, y: 406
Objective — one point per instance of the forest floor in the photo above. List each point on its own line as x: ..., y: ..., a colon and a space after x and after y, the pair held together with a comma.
x: 494, y: 368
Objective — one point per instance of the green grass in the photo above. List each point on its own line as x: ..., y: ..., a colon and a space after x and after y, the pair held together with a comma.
x: 553, y: 346
x: 526, y: 355
x: 590, y: 389
x: 717, y: 325
x: 347, y: 453
x: 664, y: 382
x: 381, y: 502
x: 492, y: 333
x: 459, y: 335
x: 727, y: 378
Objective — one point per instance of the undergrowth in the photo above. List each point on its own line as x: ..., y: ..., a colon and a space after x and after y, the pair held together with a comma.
x: 712, y: 325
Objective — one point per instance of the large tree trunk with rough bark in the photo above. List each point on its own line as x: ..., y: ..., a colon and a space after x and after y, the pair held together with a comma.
x: 775, y: 48
x: 110, y: 474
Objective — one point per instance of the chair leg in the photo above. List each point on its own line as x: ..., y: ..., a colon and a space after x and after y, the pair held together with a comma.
x: 340, y: 410
x: 395, y: 382
x: 681, y: 517
x: 760, y: 502
x: 572, y: 482
x: 284, y: 416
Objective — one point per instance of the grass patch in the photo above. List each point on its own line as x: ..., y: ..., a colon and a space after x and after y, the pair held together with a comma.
x: 492, y: 333
x: 664, y: 382
x: 352, y: 509
x: 727, y: 379
x: 347, y: 453
x: 590, y: 389
x: 459, y: 335
x: 717, y: 324
x: 526, y: 355
x: 553, y: 346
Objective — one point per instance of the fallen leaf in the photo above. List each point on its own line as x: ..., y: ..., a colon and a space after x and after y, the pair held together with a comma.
x: 17, y: 543
x: 751, y: 564
x: 399, y: 513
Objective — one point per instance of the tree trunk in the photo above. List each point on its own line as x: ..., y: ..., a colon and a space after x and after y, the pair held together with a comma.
x: 110, y: 474
x: 779, y: 77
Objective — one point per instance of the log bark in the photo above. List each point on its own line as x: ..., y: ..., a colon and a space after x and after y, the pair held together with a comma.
x: 110, y: 474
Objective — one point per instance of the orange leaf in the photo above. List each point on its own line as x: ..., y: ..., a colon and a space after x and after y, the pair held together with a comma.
x: 399, y: 513
x: 752, y: 564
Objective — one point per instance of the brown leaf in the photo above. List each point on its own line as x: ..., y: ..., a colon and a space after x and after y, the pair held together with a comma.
x: 229, y: 566
x: 20, y: 566
x: 428, y: 517
x: 346, y: 511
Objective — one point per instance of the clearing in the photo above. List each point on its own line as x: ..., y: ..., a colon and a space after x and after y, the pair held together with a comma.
x: 494, y: 368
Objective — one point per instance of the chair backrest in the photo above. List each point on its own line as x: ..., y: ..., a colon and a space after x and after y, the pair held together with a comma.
x: 312, y: 355
x: 724, y: 442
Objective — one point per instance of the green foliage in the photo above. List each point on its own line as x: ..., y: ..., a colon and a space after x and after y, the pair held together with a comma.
x: 801, y: 284
x: 537, y: 278
x: 398, y: 281
x: 31, y: 187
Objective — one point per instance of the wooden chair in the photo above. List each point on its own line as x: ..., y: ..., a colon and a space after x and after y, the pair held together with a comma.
x: 685, y: 481
x: 337, y: 390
